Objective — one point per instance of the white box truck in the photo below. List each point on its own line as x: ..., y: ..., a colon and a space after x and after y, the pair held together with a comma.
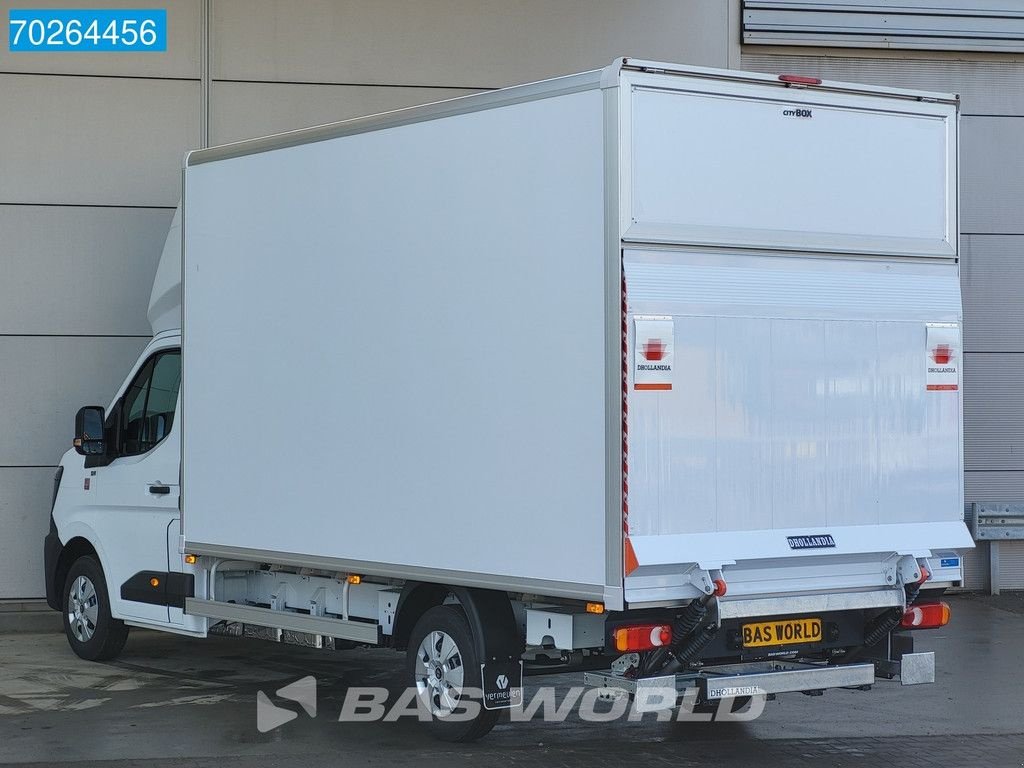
x: 653, y: 367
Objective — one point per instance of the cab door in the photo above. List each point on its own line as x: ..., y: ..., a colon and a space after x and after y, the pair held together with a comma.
x: 139, y: 489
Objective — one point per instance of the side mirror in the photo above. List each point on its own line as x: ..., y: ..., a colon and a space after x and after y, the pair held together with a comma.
x: 89, y: 431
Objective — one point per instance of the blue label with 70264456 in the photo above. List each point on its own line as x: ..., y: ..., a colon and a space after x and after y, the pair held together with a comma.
x: 76, y: 31
x: 949, y: 562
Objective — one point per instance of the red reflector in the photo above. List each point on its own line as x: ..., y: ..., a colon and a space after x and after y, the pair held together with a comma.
x: 642, y: 637
x: 926, y: 616
x: 800, y: 79
x: 925, y: 575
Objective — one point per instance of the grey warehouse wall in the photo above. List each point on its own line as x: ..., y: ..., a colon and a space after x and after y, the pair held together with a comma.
x: 92, y: 147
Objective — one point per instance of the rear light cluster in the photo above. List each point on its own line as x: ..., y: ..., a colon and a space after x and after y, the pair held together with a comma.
x: 925, y: 616
x: 643, y: 637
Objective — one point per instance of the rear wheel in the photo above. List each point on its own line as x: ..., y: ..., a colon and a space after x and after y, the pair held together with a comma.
x: 92, y: 632
x: 443, y: 665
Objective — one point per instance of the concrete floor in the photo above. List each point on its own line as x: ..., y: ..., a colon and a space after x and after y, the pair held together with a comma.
x: 175, y: 701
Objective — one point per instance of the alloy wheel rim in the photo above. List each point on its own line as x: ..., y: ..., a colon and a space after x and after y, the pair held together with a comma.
x: 83, y: 609
x: 440, y: 675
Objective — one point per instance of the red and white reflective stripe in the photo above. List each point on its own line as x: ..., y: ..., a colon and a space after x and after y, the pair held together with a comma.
x: 625, y: 407
x: 629, y: 561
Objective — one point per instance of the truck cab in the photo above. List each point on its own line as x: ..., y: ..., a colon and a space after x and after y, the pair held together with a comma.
x: 115, y: 522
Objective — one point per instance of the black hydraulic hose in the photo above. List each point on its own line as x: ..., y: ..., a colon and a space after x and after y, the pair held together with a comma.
x: 682, y: 628
x: 691, y: 649
x: 882, y: 626
x: 688, y: 620
x: 875, y: 632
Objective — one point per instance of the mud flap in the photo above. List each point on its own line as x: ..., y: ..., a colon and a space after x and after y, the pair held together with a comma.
x: 502, y: 684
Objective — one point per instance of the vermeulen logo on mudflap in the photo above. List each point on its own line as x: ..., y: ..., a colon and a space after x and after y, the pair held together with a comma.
x: 501, y: 694
x: 811, y: 542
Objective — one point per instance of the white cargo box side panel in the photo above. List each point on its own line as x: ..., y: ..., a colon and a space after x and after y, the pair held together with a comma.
x: 827, y: 171
x: 395, y: 349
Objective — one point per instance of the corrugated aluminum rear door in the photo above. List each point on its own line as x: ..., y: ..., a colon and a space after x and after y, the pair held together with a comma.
x: 799, y: 397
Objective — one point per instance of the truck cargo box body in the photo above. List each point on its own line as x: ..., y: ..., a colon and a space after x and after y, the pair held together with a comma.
x: 598, y: 338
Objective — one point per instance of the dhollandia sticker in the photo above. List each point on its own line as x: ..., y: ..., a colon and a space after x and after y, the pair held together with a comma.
x: 942, y: 357
x: 652, y: 352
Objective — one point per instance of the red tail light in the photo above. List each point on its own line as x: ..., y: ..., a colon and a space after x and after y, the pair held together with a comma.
x: 643, y: 637
x: 800, y: 79
x: 926, y: 616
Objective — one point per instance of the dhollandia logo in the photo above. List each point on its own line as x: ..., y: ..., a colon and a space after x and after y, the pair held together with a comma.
x: 654, y: 349
x: 653, y: 353
x: 942, y: 354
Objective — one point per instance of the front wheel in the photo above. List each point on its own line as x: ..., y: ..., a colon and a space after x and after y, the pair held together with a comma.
x: 92, y: 632
x: 443, y: 665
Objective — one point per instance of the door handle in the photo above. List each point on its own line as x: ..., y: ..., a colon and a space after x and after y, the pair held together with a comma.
x: 160, y: 489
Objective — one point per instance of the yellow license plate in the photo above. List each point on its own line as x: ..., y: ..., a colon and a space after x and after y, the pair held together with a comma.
x: 785, y: 632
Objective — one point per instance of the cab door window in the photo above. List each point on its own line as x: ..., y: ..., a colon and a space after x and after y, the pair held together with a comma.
x: 147, y: 412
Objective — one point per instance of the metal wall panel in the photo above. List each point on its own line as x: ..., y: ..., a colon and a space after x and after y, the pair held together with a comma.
x: 986, y: 485
x: 64, y: 261
x: 977, y: 561
x: 992, y: 276
x: 1011, y: 564
x: 466, y: 43
x: 246, y: 110
x: 994, y: 413
x: 25, y: 494
x: 95, y: 140
x: 992, y: 175
x: 180, y: 60
x: 976, y: 564
x: 965, y: 25
x: 986, y: 87
x: 45, y: 380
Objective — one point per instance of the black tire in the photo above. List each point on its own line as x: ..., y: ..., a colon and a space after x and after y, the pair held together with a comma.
x: 452, y: 622
x: 92, y: 632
